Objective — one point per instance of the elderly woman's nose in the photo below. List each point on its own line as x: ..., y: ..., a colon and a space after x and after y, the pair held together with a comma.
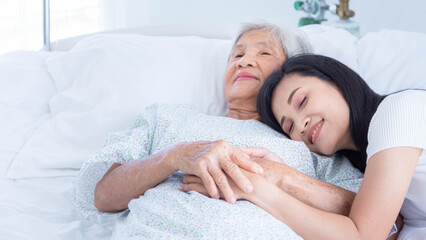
x: 247, y: 61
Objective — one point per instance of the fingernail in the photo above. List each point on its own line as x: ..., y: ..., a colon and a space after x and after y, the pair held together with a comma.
x: 259, y: 170
x: 248, y: 188
x: 233, y: 200
x: 180, y: 187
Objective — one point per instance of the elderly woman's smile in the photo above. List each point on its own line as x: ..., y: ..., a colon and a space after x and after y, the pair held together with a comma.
x: 244, y: 76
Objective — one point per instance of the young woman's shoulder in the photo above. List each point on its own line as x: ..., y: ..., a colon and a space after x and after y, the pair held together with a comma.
x: 400, y: 121
x: 406, y: 97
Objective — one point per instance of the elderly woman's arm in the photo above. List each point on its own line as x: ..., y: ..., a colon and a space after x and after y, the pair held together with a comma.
x: 124, y: 182
x: 207, y: 160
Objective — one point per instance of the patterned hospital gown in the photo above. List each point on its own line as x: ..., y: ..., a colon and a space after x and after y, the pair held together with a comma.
x: 164, y: 212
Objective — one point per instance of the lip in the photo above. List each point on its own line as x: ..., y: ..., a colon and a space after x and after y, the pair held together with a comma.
x: 311, y: 131
x: 243, y: 76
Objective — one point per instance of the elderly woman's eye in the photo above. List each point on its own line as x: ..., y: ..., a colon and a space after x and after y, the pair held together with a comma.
x: 266, y: 53
x: 239, y: 55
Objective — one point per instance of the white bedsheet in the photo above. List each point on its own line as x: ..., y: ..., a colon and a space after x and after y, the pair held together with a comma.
x: 41, y: 208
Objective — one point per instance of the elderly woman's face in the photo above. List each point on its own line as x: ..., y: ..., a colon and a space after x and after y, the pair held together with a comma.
x: 253, y: 58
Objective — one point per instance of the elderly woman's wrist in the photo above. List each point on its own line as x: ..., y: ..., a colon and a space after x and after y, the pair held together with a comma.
x: 169, y: 158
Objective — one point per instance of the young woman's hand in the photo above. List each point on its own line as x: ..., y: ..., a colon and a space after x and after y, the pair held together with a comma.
x: 211, y: 162
x: 261, y: 153
x: 274, y: 169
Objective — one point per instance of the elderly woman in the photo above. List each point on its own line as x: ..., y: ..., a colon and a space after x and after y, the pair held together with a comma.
x: 167, y: 139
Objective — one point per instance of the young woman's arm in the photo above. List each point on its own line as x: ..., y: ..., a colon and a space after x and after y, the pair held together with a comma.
x: 374, y: 210
x: 314, y: 192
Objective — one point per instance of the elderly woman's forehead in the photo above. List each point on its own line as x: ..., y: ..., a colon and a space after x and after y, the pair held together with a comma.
x: 268, y: 37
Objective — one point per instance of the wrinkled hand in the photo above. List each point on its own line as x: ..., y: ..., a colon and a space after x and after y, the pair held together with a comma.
x: 209, y: 161
x: 194, y: 183
x: 274, y: 170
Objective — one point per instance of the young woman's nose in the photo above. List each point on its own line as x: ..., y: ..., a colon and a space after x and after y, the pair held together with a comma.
x: 303, y: 126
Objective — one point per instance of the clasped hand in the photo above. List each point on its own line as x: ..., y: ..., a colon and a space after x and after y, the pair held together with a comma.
x: 218, y: 170
x: 212, y: 162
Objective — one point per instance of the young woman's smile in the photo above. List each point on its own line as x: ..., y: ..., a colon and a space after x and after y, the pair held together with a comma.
x: 315, y: 131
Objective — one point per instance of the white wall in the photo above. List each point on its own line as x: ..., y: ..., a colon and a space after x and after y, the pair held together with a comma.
x: 371, y: 15
x: 408, y: 15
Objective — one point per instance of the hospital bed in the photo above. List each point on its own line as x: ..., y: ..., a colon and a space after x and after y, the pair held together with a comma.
x: 57, y: 107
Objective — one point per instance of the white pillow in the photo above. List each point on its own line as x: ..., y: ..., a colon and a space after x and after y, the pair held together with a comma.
x: 25, y: 82
x: 106, y: 80
x: 25, y: 89
x: 333, y: 42
x: 391, y: 60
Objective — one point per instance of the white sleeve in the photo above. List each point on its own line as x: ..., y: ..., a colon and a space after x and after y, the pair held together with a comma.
x: 121, y: 147
x: 400, y: 121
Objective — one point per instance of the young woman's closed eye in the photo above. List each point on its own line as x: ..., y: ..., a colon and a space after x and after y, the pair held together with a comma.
x: 298, y: 105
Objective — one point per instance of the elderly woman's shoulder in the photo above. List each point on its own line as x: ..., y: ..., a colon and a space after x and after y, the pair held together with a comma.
x: 157, y: 111
x: 169, y: 107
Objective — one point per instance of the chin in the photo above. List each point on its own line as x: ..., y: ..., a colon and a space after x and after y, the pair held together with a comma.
x: 328, y: 152
x: 244, y: 94
x: 322, y: 150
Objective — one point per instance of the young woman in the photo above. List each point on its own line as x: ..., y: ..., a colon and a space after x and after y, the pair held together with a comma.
x: 320, y: 101
x: 329, y: 107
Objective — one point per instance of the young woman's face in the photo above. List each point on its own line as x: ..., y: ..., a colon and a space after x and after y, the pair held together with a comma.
x: 314, y: 111
x: 253, y: 58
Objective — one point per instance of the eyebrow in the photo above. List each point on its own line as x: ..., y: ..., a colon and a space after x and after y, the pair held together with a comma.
x: 282, y: 121
x: 262, y: 44
x: 290, y: 98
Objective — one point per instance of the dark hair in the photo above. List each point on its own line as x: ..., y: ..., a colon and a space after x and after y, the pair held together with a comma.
x: 361, y: 99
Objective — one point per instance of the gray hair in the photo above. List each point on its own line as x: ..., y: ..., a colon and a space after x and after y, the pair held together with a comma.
x: 293, y: 41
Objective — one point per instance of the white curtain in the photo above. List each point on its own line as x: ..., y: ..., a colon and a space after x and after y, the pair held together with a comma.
x: 21, y: 22
x: 21, y: 25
